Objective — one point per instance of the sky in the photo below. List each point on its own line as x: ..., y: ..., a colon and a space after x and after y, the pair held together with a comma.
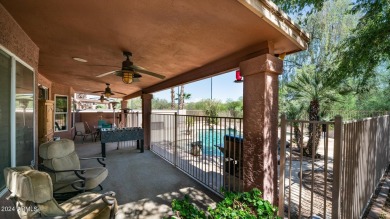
x: 223, y: 88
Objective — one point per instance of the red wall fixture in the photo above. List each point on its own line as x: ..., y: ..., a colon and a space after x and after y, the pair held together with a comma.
x: 239, y: 78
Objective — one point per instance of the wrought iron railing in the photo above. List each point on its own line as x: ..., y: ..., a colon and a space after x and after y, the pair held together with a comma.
x: 309, y: 180
x: 133, y: 119
x: 208, y: 149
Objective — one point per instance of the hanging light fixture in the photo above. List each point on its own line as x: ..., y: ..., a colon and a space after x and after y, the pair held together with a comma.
x: 239, y: 78
x: 127, y: 77
x: 107, y: 91
x: 102, y: 98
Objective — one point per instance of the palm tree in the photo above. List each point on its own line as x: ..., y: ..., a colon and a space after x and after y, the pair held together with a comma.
x: 181, y: 99
x: 186, y: 96
x: 294, y: 112
x: 316, y: 89
x: 172, y: 98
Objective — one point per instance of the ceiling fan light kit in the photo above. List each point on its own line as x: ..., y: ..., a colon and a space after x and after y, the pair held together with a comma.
x: 127, y: 77
x: 107, y: 91
x: 129, y: 72
x: 102, y: 98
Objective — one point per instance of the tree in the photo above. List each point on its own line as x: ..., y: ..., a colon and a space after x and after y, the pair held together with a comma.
x: 135, y: 103
x: 309, y: 81
x: 316, y: 89
x: 172, y: 98
x: 160, y: 104
x: 234, y: 107
x: 366, y: 48
x: 181, y: 97
x: 295, y: 111
x: 212, y: 108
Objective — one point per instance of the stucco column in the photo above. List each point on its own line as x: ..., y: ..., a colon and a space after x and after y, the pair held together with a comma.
x: 123, y: 115
x: 146, y: 113
x: 261, y: 124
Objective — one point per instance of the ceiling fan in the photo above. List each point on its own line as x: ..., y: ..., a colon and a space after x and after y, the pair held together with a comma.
x: 107, y: 92
x: 130, y: 72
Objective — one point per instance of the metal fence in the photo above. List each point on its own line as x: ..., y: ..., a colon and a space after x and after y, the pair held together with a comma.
x: 308, y: 179
x: 340, y: 179
x: 335, y: 182
x: 348, y: 115
x: 206, y: 148
x: 133, y: 119
x: 366, y: 156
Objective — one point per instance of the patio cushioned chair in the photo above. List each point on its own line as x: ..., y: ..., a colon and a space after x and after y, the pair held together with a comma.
x: 94, y: 133
x: 32, y: 193
x: 62, y: 163
x: 82, y: 131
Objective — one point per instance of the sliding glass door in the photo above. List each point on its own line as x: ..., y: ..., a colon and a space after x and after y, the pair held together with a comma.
x: 5, y: 121
x: 16, y: 113
x: 24, y: 115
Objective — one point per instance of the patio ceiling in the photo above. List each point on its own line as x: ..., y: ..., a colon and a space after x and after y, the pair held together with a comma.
x: 183, y: 40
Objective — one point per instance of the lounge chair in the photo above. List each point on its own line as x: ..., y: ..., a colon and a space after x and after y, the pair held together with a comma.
x: 32, y: 193
x: 62, y: 163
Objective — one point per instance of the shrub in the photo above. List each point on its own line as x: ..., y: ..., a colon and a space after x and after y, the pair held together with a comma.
x: 248, y: 205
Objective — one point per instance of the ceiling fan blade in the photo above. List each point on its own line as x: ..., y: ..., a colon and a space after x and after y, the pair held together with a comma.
x: 120, y: 93
x: 100, y: 65
x: 99, y: 91
x: 151, y: 73
x: 138, y: 67
x: 104, y: 74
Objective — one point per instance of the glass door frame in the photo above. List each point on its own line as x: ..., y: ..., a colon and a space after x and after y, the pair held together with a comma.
x: 15, y: 59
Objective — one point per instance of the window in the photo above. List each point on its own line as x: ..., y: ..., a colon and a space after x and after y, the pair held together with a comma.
x: 61, y: 113
x: 16, y: 113
x: 43, y: 92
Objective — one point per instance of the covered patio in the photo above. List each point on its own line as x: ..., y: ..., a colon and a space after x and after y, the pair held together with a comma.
x: 150, y: 182
x: 76, y: 47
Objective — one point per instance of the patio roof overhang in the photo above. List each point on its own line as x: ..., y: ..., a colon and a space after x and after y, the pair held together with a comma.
x: 183, y: 40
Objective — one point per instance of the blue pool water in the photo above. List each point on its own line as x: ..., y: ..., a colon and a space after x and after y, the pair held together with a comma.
x: 212, y: 137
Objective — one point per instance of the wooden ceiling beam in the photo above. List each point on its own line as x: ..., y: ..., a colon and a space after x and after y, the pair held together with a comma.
x: 132, y: 95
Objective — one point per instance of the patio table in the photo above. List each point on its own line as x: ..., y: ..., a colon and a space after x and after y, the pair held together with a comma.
x: 122, y: 134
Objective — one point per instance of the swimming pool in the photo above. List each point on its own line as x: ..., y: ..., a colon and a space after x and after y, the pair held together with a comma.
x: 212, y: 137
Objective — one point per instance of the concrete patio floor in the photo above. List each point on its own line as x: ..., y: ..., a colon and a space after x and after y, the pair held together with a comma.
x: 144, y: 183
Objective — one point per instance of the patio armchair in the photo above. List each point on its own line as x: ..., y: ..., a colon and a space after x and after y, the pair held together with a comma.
x: 95, y: 133
x: 32, y: 193
x: 83, y: 131
x: 62, y: 163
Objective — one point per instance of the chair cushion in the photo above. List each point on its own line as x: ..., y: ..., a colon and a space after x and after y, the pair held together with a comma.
x: 69, y: 162
x: 28, y: 184
x: 94, y: 177
x: 56, y: 149
x: 98, y: 209
x: 51, y: 209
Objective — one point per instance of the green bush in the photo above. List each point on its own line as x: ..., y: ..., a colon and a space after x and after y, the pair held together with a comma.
x: 248, y: 205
